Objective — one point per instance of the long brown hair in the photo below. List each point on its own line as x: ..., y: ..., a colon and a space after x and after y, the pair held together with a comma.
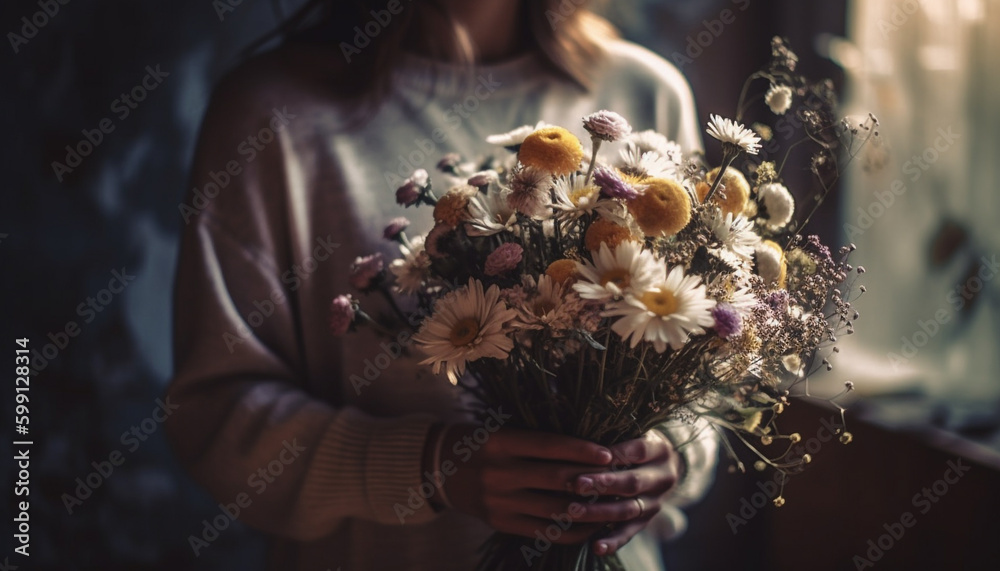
x: 565, y: 33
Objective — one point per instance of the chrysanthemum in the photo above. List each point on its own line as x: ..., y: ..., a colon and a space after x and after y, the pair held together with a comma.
x: 467, y: 324
x: 779, y: 204
x: 733, y: 193
x: 733, y: 133
x: 530, y: 192
x: 735, y: 233
x: 663, y: 208
x: 491, y: 213
x: 615, y: 272
x: 341, y: 314
x: 666, y: 314
x: 413, y: 268
x: 607, y: 125
x: 452, y: 208
x: 553, y: 150
x: 778, y: 98
x: 603, y: 231
x: 505, y: 258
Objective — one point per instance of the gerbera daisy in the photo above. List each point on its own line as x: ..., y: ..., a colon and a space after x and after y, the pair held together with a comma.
x: 468, y: 324
x: 665, y: 314
x: 413, y: 268
x: 628, y: 267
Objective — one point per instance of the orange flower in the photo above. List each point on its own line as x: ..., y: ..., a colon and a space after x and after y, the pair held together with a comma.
x: 452, y: 208
x: 603, y: 231
x: 664, y: 208
x: 562, y: 271
x: 552, y: 149
x: 733, y: 198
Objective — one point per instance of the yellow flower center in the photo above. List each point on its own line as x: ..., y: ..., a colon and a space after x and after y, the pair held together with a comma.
x: 659, y: 301
x: 464, y: 332
x: 543, y: 306
x: 618, y: 276
x: 582, y: 197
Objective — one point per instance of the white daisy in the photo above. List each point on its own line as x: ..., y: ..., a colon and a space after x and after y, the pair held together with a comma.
x: 413, y: 268
x: 735, y: 233
x: 468, y: 324
x: 779, y: 204
x: 574, y: 198
x: 491, y: 213
x: 734, y: 289
x: 613, y: 274
x: 666, y: 314
x: 733, y: 133
x: 515, y: 137
x: 647, y: 164
x: 778, y: 98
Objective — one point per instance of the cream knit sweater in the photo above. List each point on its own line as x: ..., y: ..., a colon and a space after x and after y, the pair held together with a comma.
x: 317, y: 439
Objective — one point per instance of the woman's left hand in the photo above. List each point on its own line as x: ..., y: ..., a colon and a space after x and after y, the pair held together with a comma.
x: 643, y: 471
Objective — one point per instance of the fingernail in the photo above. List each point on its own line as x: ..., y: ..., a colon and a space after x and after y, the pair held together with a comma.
x: 605, y: 457
x: 584, y: 483
x: 601, y: 548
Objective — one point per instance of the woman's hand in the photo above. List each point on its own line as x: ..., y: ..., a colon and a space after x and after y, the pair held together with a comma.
x: 521, y: 482
x: 644, y: 470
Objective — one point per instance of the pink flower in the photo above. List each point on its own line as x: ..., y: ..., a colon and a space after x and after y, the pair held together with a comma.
x: 607, y: 125
x: 503, y: 259
x: 364, y: 271
x: 341, y: 314
x: 395, y: 228
x: 407, y: 194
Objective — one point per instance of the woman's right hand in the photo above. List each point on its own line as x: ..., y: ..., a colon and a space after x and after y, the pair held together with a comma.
x: 521, y: 482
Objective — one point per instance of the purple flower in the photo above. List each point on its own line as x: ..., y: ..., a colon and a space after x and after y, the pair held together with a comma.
x: 408, y: 194
x: 482, y: 178
x: 607, y: 125
x: 613, y: 185
x: 727, y: 320
x: 777, y: 301
x: 503, y: 259
x: 341, y: 314
x: 364, y: 271
x: 395, y: 228
x: 449, y: 162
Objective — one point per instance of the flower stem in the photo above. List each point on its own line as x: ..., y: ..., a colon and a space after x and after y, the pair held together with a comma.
x: 727, y: 159
x: 596, y: 144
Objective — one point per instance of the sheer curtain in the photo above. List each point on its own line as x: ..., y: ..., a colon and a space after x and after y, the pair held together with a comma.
x: 928, y: 224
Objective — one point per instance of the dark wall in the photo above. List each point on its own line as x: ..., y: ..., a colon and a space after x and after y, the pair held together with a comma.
x: 71, y: 235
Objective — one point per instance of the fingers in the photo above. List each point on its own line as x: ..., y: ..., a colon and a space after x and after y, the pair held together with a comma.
x: 554, y: 447
x: 519, y: 474
x: 651, y: 447
x: 619, y: 537
x: 649, y: 479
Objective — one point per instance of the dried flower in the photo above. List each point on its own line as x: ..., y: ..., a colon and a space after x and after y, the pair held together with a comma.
x: 503, y: 259
x: 612, y: 185
x: 734, y: 134
x: 452, y: 208
x: 530, y: 192
x: 366, y: 270
x: 778, y: 98
x: 408, y: 193
x: 606, y: 125
x: 553, y: 149
x: 732, y: 196
x: 728, y: 322
x: 663, y: 208
x: 603, y: 231
x: 779, y: 204
x: 341, y: 314
x: 395, y: 228
x: 562, y: 271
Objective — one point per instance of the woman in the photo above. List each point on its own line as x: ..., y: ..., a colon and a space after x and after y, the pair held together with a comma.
x: 322, y: 442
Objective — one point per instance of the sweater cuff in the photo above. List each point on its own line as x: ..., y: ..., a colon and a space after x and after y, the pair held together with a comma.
x: 387, y: 454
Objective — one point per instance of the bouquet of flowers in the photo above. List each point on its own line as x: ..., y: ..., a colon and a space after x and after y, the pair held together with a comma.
x: 600, y: 297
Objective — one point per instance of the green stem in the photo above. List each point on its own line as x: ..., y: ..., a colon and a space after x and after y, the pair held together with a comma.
x: 596, y: 143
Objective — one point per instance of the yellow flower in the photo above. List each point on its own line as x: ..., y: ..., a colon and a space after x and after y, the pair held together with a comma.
x: 603, y: 231
x: 771, y: 264
x: 452, y: 208
x: 552, y: 149
x: 562, y: 270
x: 663, y: 208
x: 733, y: 198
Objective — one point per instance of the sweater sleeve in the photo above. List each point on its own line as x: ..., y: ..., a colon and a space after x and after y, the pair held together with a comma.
x: 247, y: 425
